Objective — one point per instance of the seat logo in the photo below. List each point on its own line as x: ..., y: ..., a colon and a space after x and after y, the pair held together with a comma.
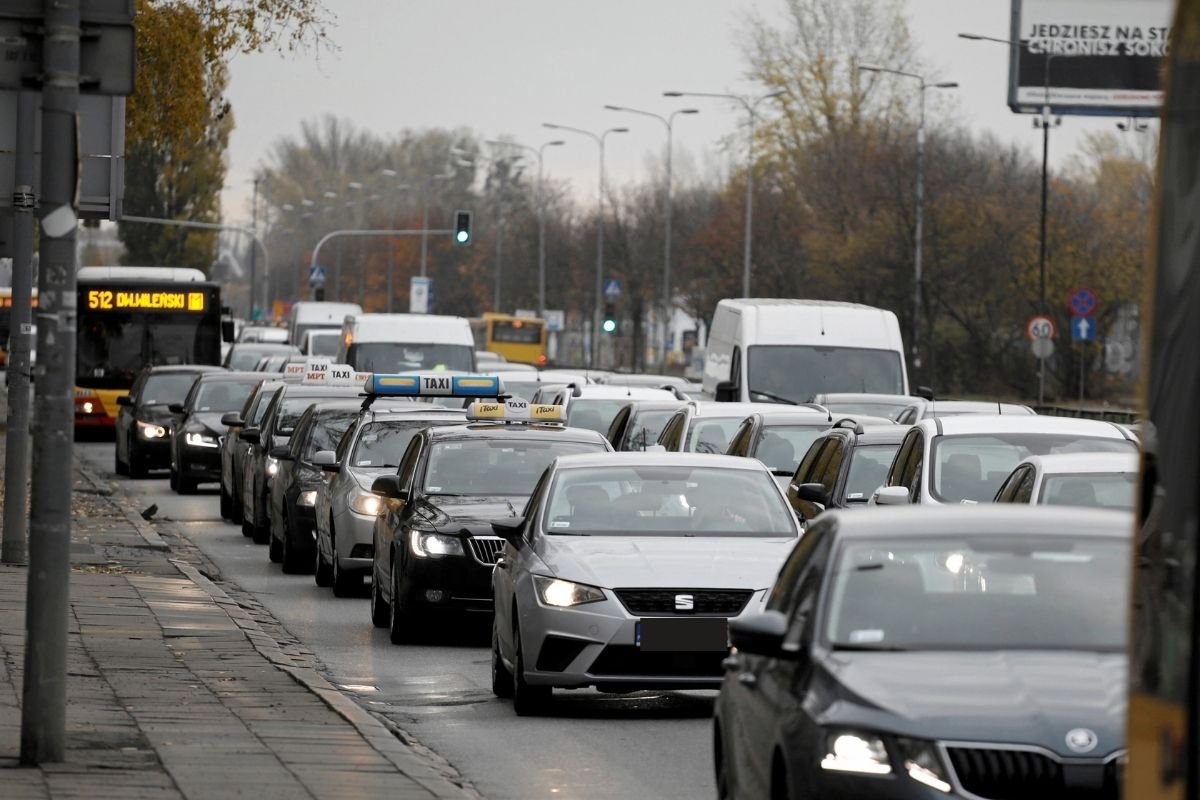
x: 684, y: 602
x: 1081, y: 740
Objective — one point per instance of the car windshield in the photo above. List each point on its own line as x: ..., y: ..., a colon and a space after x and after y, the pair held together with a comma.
x: 645, y: 427
x: 964, y: 593
x: 868, y: 470
x: 671, y: 500
x: 1098, y: 490
x: 523, y: 390
x: 247, y: 358
x: 794, y: 373
x: 495, y: 467
x: 399, y: 357
x: 781, y: 447
x: 221, y: 396
x: 166, y: 388
x: 711, y: 434
x: 324, y: 344
x: 594, y: 414
x: 327, y: 431
x: 382, y: 444
x: 970, y: 469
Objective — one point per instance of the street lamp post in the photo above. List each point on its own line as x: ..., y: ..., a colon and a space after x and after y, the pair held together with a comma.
x: 751, y: 107
x: 919, y: 232
x: 669, y: 122
x: 541, y: 212
x: 599, y: 139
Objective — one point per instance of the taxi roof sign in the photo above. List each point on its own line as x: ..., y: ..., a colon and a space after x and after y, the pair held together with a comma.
x: 333, y: 375
x: 434, y: 385
x: 514, y: 410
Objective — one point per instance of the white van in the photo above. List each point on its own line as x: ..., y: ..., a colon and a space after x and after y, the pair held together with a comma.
x: 309, y: 314
x: 786, y: 351
x: 407, y: 342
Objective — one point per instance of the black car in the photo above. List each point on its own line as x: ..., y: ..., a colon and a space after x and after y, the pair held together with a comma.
x: 971, y: 652
x: 197, y: 428
x: 292, y: 496
x: 434, y: 546
x: 843, y: 467
x: 233, y: 449
x: 638, y: 424
x: 144, y: 417
x: 246, y: 355
x: 778, y: 438
x: 275, y: 430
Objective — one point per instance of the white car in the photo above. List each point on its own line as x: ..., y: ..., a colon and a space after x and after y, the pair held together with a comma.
x: 1096, y: 480
x: 626, y: 568
x: 705, y: 426
x: 927, y: 409
x: 965, y: 459
x: 594, y: 406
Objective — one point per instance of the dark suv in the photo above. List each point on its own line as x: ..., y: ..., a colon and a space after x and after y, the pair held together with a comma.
x: 843, y: 467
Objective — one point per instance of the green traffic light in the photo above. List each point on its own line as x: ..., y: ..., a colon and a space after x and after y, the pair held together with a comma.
x: 609, y: 326
x: 462, y: 237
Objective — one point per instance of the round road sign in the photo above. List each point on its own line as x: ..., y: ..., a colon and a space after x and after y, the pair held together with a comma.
x: 1042, y: 348
x: 1039, y: 327
x: 1083, y: 302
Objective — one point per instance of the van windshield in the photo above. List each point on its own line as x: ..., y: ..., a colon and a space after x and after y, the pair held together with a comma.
x: 794, y: 373
x: 401, y: 357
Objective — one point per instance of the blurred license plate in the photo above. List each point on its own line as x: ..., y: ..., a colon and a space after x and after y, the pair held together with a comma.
x: 673, y: 635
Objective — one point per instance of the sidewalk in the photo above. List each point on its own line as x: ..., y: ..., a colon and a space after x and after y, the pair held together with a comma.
x: 176, y: 691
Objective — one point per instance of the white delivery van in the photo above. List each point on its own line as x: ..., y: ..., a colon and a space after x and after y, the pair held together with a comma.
x: 407, y: 343
x: 786, y: 351
x: 309, y: 314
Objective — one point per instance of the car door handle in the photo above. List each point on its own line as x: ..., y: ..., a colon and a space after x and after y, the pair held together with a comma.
x: 748, y: 679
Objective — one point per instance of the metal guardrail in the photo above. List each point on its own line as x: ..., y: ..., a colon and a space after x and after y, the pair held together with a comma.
x: 1122, y: 416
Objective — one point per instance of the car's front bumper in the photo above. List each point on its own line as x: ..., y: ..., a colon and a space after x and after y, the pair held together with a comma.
x: 151, y: 453
x: 355, y: 539
x: 447, y: 583
x: 199, y: 463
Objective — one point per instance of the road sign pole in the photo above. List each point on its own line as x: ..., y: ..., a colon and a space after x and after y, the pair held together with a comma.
x: 44, y: 701
x: 16, y: 457
x: 1082, y: 371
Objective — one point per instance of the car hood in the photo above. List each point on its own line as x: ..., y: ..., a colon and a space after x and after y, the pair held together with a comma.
x: 210, y: 421
x: 1011, y: 696
x: 715, y: 562
x: 452, y: 514
x: 156, y: 415
x: 365, y: 476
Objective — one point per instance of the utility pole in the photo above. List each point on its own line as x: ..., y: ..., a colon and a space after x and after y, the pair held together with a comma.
x: 16, y: 457
x: 253, y: 264
x: 44, y: 699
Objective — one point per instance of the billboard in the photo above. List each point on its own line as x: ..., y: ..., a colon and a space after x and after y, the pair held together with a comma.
x: 1088, y: 56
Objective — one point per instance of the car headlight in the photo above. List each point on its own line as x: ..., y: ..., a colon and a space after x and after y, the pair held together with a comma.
x: 365, y: 504
x: 308, y: 498
x: 201, y: 439
x: 924, y: 765
x: 425, y: 544
x: 271, y: 466
x: 149, y: 430
x: 564, y: 594
x: 853, y: 751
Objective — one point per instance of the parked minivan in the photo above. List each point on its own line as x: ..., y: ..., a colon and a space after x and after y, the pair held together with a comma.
x: 786, y: 351
x: 407, y: 343
x: 309, y: 314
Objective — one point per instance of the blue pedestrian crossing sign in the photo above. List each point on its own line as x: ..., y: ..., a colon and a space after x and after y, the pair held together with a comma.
x: 316, y: 275
x: 612, y: 288
x: 1083, y: 329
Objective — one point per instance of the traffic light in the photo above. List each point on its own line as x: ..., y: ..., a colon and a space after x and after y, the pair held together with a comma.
x: 462, y: 227
x: 610, y: 324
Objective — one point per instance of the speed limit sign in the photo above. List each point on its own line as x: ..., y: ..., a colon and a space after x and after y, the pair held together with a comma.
x: 1039, y: 327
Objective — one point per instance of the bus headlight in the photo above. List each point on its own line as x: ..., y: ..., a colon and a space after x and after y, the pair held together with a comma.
x: 149, y: 430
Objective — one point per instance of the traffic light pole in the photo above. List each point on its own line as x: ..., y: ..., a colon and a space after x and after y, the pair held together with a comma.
x: 350, y: 232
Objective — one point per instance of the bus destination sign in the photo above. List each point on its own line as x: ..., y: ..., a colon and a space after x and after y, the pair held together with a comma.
x: 145, y: 300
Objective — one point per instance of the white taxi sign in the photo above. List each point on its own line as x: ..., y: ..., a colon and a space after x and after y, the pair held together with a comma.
x: 514, y: 410
x: 295, y: 368
x: 333, y: 375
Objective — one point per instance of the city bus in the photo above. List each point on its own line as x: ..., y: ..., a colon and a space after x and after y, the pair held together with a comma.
x: 6, y: 321
x: 129, y: 317
x: 519, y: 339
x: 1164, y: 668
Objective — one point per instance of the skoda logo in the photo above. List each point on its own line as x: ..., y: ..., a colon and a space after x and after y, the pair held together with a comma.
x: 684, y: 602
x: 1081, y: 740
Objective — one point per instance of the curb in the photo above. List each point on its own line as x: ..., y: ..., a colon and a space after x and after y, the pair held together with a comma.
x: 144, y: 529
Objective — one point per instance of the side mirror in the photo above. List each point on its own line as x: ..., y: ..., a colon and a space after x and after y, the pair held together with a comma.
x: 232, y: 419
x: 250, y: 435
x: 326, y: 460
x: 891, y: 496
x: 812, y: 493
x: 176, y: 408
x: 510, y: 530
x: 227, y: 332
x: 388, y: 487
x: 654, y: 448
x: 726, y: 392
x: 925, y: 392
x: 281, y: 452
x: 761, y: 634
x: 125, y: 400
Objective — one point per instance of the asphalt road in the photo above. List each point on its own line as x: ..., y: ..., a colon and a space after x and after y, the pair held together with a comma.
x: 650, y: 745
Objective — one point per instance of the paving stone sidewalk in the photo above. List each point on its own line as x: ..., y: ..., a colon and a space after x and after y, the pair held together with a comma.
x: 175, y: 689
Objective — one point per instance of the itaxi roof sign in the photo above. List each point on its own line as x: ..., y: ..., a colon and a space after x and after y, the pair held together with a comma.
x: 1098, y: 57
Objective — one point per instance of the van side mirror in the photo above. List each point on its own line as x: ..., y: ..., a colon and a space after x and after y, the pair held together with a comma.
x: 227, y: 333
x: 726, y: 392
x: 761, y: 634
x: 388, y: 487
x: 232, y: 419
x: 891, y: 496
x: 925, y: 392
x: 812, y: 493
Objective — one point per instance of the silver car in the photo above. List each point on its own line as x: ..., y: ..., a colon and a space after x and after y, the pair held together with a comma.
x: 345, y: 508
x: 626, y: 568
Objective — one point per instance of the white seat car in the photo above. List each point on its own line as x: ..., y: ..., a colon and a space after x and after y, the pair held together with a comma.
x: 594, y: 406
x: 626, y: 568
x: 965, y: 459
x: 1095, y: 480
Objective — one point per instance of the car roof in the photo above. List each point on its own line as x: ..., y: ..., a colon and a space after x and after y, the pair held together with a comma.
x: 976, y: 407
x: 656, y: 405
x: 269, y: 347
x: 1000, y: 519
x: 183, y: 368
x: 650, y: 459
x: 713, y: 409
x: 509, y: 430
x: 1059, y: 463
x: 881, y: 434
x: 225, y: 375
x: 900, y: 400
x: 596, y: 391
x: 318, y: 390
x: 796, y: 417
x: 988, y: 423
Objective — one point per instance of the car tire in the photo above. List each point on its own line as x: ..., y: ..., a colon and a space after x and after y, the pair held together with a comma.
x: 120, y: 467
x: 226, y: 512
x: 779, y: 780
x: 136, y: 464
x: 502, y: 680
x: 291, y: 556
x: 248, y: 529
x: 235, y: 507
x: 174, y: 481
x: 345, y: 584
x: 185, y: 485
x: 402, y: 627
x: 262, y: 533
x: 381, y: 610
x: 274, y: 548
x: 721, y: 765
x: 528, y: 700
x: 322, y: 572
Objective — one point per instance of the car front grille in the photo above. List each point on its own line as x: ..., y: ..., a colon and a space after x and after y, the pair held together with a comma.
x: 1011, y: 774
x: 705, y: 602
x: 486, y: 549
x: 619, y: 660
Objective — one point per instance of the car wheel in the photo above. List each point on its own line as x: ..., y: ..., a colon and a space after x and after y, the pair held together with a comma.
x: 136, y: 464
x: 291, y: 555
x: 528, y: 701
x: 345, y: 584
x: 248, y: 529
x: 322, y: 572
x: 235, y: 507
x: 274, y: 547
x: 262, y: 532
x: 779, y: 780
x: 185, y: 485
x: 174, y: 482
x: 402, y: 627
x: 502, y: 680
x: 721, y: 765
x: 226, y: 512
x: 119, y: 466
x: 381, y: 611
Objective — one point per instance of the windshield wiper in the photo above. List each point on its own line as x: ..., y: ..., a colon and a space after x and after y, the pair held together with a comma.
x: 776, y: 398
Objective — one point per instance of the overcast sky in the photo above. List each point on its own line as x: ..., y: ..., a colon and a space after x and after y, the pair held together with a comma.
x: 503, y: 67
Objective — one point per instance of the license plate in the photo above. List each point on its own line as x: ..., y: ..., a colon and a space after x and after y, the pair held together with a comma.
x: 666, y: 635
